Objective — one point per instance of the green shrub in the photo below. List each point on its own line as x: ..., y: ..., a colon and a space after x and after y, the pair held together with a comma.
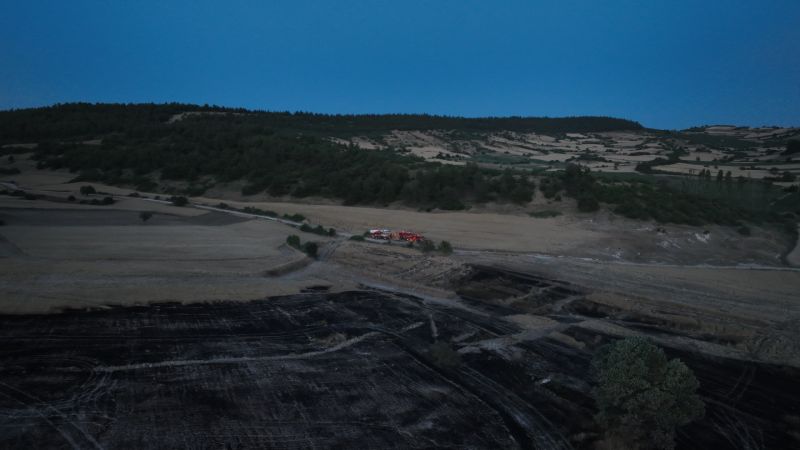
x: 744, y: 230
x: 521, y: 195
x: 357, y: 237
x: 311, y: 249
x: 547, y: 213
x: 319, y: 229
x: 641, y: 396
x: 145, y: 216
x: 256, y: 211
x: 179, y: 200
x: 445, y: 248
x: 293, y: 240
x: 587, y: 203
x: 550, y: 186
x: 88, y: 190
x: 294, y: 217
x: 427, y: 246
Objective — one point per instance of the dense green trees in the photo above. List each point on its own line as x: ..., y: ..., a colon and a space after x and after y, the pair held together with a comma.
x: 647, y: 199
x: 294, y: 165
x: 641, y: 396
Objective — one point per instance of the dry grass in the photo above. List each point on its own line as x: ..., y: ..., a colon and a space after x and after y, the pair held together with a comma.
x: 51, y: 267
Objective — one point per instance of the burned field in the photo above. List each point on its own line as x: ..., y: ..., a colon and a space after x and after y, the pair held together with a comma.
x: 357, y: 369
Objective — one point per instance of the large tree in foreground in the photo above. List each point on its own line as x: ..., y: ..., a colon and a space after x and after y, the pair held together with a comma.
x: 642, y: 397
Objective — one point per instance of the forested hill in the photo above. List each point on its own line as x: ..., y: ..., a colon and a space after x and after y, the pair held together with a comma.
x: 84, y: 120
x: 187, y: 149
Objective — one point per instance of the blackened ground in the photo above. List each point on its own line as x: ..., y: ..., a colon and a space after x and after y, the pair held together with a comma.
x: 307, y: 371
x: 346, y: 370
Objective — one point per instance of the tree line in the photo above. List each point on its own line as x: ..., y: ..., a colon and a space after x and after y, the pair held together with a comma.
x: 85, y: 120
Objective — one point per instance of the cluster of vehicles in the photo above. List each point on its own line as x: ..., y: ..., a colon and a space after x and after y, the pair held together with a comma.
x: 390, y: 235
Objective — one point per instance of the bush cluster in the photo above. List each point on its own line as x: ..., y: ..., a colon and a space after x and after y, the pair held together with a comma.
x: 319, y: 229
x: 309, y: 248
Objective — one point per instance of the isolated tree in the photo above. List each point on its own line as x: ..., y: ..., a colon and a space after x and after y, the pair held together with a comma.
x: 145, y: 216
x: 427, y: 246
x: 641, y: 396
x: 88, y: 190
x: 293, y: 240
x: 445, y: 248
x: 311, y: 249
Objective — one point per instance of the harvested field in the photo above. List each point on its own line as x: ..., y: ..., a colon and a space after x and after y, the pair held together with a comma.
x: 464, y: 229
x: 74, y: 257
x: 602, y: 236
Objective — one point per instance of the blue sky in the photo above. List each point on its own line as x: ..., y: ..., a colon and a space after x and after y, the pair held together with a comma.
x: 668, y: 64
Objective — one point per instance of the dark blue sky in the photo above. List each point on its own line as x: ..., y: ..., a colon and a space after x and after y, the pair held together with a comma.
x: 668, y: 64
